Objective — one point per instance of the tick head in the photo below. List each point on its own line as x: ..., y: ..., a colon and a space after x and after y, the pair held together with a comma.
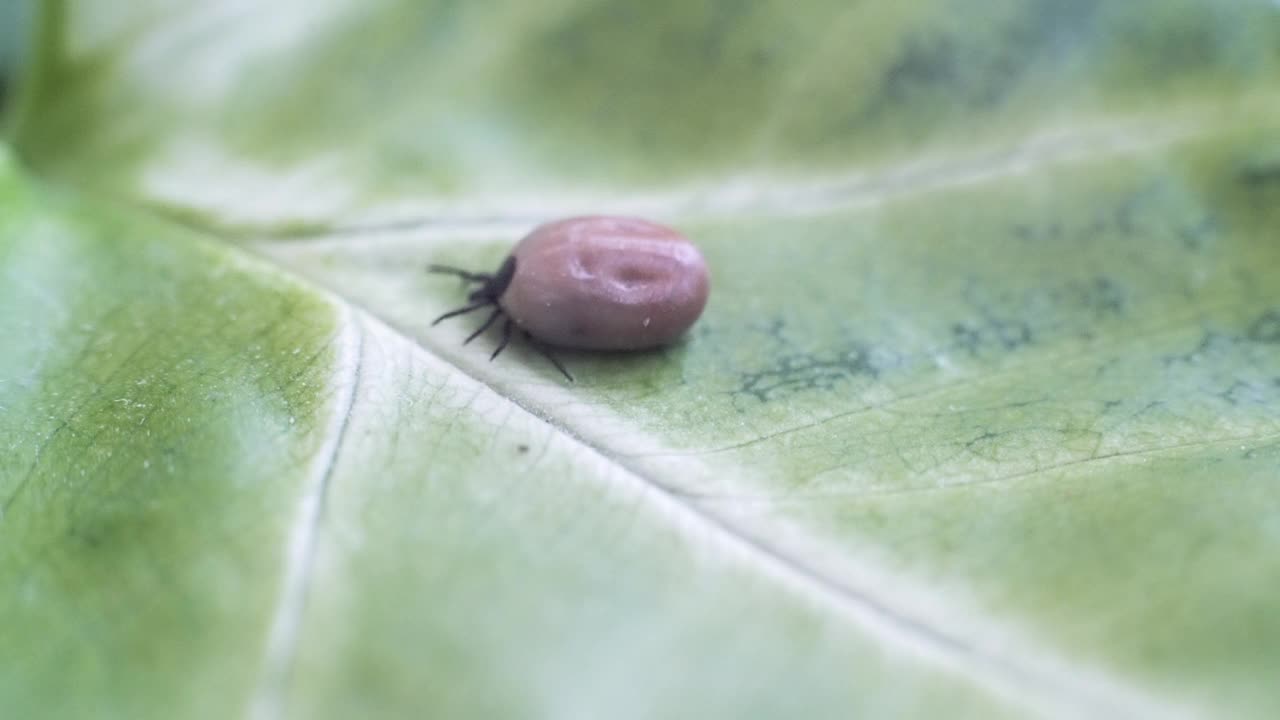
x: 498, y: 284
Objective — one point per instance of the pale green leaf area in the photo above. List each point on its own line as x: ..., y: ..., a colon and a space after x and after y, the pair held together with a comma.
x: 983, y: 417
x: 193, y: 445
x: 161, y: 410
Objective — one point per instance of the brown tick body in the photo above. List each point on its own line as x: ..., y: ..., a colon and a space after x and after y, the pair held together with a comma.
x: 593, y: 283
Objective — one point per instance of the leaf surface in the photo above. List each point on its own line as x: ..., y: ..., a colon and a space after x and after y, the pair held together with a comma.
x: 983, y: 412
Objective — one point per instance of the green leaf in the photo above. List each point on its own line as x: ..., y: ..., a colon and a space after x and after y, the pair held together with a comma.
x: 226, y: 493
x: 983, y: 417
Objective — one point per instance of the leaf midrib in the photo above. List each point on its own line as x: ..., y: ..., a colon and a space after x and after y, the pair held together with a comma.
x: 1022, y: 679
x: 269, y: 698
x: 1048, y: 687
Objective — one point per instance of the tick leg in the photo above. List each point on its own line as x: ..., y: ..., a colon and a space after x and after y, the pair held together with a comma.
x: 506, y: 338
x: 464, y: 274
x: 547, y: 354
x: 462, y: 310
x: 493, y: 316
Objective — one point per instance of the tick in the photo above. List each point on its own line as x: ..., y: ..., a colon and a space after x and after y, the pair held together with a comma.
x: 591, y: 283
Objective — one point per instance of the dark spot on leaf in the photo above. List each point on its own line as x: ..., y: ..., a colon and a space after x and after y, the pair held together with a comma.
x: 966, y: 338
x: 1012, y: 335
x: 984, y: 445
x: 1266, y: 329
x: 1107, y: 297
x: 1260, y: 175
x: 1143, y: 214
x: 803, y: 372
x: 1242, y: 392
x: 924, y: 61
x: 991, y: 332
x: 522, y: 448
x: 1208, y: 342
x: 775, y: 329
x: 1196, y: 236
x: 980, y: 71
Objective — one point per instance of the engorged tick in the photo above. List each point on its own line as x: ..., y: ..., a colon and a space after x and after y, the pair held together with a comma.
x: 591, y: 283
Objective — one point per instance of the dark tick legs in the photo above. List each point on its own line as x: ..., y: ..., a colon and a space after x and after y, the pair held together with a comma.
x: 464, y: 274
x: 547, y: 354
x: 480, y: 299
x: 506, y: 338
x: 492, y: 317
x: 462, y: 310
